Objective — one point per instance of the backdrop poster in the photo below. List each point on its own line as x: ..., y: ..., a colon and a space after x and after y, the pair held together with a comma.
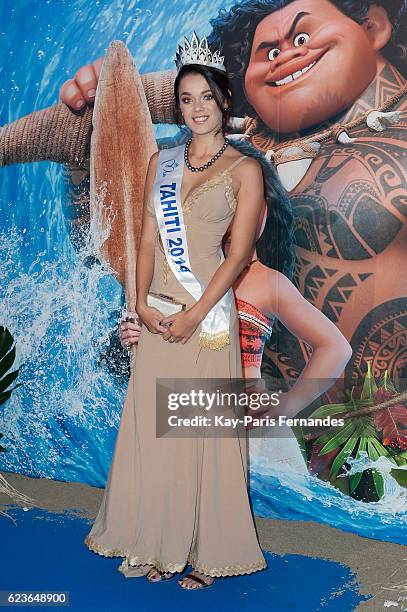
x: 334, y: 130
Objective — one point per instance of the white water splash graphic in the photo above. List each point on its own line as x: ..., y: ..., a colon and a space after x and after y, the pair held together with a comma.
x: 395, y: 496
x: 58, y: 313
x: 279, y: 490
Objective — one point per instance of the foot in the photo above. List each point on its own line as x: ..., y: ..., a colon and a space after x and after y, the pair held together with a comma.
x: 154, y: 575
x: 196, y: 580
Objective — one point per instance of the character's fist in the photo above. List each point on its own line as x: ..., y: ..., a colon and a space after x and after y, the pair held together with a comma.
x: 81, y: 89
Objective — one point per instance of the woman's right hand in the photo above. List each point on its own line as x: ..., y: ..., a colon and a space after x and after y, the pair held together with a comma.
x: 151, y: 318
x: 81, y: 89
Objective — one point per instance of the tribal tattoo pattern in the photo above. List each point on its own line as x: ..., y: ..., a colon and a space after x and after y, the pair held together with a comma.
x: 350, y: 232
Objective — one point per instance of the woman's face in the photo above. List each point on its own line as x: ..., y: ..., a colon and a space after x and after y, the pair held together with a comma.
x: 197, y: 104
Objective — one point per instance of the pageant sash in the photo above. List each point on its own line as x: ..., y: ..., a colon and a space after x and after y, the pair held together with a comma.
x: 168, y: 210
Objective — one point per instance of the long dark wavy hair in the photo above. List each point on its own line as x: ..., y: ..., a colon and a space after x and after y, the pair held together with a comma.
x: 275, y: 247
x: 233, y: 33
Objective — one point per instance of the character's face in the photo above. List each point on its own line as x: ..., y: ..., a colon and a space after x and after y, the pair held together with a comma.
x: 308, y: 62
x: 197, y: 103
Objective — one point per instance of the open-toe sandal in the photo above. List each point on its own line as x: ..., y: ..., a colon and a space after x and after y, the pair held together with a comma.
x: 198, y: 579
x: 161, y: 574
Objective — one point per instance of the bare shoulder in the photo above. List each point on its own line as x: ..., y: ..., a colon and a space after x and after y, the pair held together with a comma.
x: 248, y: 177
x: 249, y: 168
x: 152, y: 167
x: 153, y: 160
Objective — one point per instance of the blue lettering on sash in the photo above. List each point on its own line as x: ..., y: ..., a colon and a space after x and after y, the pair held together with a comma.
x: 169, y: 208
x: 171, y: 186
x: 166, y: 194
x: 172, y: 222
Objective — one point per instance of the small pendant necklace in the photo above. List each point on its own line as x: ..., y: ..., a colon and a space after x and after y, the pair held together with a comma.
x: 208, y: 163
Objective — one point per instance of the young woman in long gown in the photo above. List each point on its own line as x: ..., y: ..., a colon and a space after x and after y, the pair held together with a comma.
x: 173, y: 501
x: 169, y: 502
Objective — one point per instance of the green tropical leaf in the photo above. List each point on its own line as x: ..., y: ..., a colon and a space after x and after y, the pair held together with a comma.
x: 354, y: 479
x: 7, y: 361
x: 387, y: 384
x: 400, y: 460
x: 373, y: 453
x: 369, y: 384
x: 379, y: 483
x: 341, y: 457
x: 6, y: 340
x: 377, y: 478
x: 4, y: 396
x: 329, y: 410
x: 382, y: 450
x: 8, y: 379
x: 338, y: 439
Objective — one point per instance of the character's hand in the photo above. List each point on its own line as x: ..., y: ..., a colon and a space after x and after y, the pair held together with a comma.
x: 81, y: 89
x: 129, y: 329
x: 180, y: 326
x: 151, y: 318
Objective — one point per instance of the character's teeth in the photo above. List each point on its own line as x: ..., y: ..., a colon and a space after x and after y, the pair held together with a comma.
x: 286, y: 80
x: 304, y: 70
x: 292, y: 77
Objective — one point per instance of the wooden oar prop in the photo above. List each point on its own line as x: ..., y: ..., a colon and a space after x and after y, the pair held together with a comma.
x: 122, y: 144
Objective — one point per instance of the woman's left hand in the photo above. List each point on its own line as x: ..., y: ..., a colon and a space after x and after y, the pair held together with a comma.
x: 182, y: 326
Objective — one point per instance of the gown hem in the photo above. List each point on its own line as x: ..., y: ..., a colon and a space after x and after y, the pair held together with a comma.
x: 133, y: 561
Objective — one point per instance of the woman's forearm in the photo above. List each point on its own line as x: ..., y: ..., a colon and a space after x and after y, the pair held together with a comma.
x: 219, y: 284
x: 144, y: 273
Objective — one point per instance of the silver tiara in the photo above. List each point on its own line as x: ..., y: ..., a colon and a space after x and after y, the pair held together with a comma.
x: 198, y: 52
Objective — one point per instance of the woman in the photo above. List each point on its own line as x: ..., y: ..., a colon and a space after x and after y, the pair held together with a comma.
x: 172, y: 502
x: 196, y: 518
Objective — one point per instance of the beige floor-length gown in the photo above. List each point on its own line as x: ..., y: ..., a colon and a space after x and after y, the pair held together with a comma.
x: 170, y: 502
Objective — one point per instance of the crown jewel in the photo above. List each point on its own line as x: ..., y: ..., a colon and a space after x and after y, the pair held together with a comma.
x: 198, y: 52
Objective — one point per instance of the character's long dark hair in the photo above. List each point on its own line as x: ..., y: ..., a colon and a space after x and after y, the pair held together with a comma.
x: 233, y: 32
x: 275, y: 247
x: 219, y: 85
